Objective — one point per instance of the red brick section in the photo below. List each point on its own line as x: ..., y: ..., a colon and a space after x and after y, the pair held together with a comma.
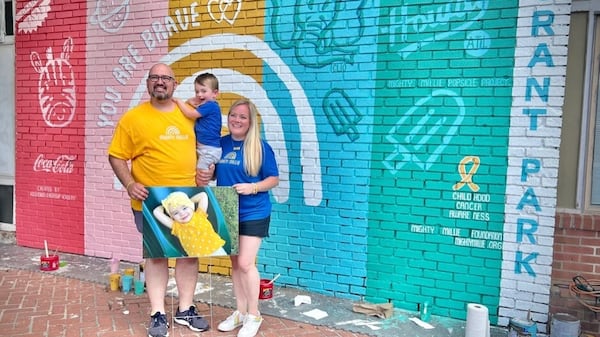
x: 44, y: 304
x: 576, y: 252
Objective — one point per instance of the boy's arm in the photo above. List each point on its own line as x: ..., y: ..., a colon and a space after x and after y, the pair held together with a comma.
x: 188, y: 110
x: 159, y: 213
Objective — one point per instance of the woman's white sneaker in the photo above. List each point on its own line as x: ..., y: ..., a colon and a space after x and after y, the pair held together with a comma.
x: 232, y: 322
x: 251, y: 325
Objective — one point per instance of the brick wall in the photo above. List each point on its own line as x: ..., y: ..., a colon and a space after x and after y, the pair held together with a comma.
x: 393, y: 125
x: 576, y: 248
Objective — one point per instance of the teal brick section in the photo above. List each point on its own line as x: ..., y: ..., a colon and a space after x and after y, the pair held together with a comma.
x: 439, y: 154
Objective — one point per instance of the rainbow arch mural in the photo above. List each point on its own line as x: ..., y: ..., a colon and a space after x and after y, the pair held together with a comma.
x: 407, y: 134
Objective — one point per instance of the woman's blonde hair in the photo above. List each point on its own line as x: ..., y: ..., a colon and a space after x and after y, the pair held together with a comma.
x: 253, y: 151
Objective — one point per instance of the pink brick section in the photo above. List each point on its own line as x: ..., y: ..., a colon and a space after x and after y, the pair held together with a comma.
x: 576, y: 252
x: 50, y: 124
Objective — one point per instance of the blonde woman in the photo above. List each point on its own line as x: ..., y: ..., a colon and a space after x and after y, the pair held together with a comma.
x: 248, y: 165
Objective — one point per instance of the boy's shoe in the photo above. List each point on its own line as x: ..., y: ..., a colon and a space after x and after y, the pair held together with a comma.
x: 159, y: 326
x: 191, y: 319
x: 251, y: 325
x: 232, y: 322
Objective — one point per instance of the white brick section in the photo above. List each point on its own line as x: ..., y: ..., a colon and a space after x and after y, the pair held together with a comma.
x: 534, y: 139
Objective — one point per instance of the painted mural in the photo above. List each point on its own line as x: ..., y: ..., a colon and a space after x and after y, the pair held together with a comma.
x: 49, y: 175
x: 408, y: 133
x: 444, y: 150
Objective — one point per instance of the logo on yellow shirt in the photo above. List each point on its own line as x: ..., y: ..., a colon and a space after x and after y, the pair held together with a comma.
x: 172, y: 132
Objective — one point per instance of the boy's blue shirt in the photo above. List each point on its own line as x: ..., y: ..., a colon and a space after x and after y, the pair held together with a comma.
x: 208, y: 127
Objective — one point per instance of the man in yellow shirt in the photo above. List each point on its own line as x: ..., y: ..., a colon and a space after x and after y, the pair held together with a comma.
x: 159, y: 142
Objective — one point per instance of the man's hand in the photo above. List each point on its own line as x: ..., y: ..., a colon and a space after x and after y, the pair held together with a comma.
x: 137, y: 191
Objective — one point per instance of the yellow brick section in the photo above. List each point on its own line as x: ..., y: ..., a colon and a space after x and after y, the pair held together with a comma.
x: 213, y: 265
x: 249, y: 21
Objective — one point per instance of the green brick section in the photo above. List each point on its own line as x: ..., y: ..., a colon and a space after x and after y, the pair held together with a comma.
x: 439, y: 158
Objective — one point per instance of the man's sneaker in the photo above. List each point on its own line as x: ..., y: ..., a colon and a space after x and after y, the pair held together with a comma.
x: 191, y: 319
x: 159, y: 327
x: 251, y: 325
x: 232, y: 322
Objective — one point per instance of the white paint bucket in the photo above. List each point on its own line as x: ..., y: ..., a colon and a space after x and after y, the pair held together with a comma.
x: 564, y: 325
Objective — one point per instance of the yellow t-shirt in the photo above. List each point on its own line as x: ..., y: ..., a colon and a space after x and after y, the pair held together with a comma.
x: 197, y: 237
x: 160, y: 145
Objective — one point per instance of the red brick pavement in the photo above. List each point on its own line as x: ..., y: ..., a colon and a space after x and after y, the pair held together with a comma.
x: 44, y: 305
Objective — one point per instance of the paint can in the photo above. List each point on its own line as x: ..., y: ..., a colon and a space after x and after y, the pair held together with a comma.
x: 48, y: 263
x: 521, y: 328
x: 564, y: 325
x: 425, y: 312
x: 266, y: 289
x: 115, y: 281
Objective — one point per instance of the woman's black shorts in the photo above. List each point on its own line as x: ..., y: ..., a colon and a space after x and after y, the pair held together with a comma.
x: 259, y: 228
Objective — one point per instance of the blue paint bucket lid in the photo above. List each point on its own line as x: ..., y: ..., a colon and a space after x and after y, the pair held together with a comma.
x: 522, y: 327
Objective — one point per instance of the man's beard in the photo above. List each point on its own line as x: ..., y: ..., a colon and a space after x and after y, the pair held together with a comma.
x: 161, y: 96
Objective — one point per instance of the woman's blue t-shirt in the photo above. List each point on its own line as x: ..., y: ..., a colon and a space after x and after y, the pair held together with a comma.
x: 230, y: 170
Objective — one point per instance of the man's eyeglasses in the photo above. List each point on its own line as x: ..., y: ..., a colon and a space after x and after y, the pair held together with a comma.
x: 164, y: 78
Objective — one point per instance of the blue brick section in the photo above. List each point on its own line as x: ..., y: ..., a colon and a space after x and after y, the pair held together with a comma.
x: 323, y: 248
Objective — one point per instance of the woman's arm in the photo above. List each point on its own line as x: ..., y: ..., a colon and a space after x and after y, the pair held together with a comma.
x: 253, y: 188
x: 267, y: 184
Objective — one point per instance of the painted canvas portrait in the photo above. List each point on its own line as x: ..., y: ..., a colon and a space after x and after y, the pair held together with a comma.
x: 190, y: 221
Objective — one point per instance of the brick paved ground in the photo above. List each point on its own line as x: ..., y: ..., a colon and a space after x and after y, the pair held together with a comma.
x: 46, y: 305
